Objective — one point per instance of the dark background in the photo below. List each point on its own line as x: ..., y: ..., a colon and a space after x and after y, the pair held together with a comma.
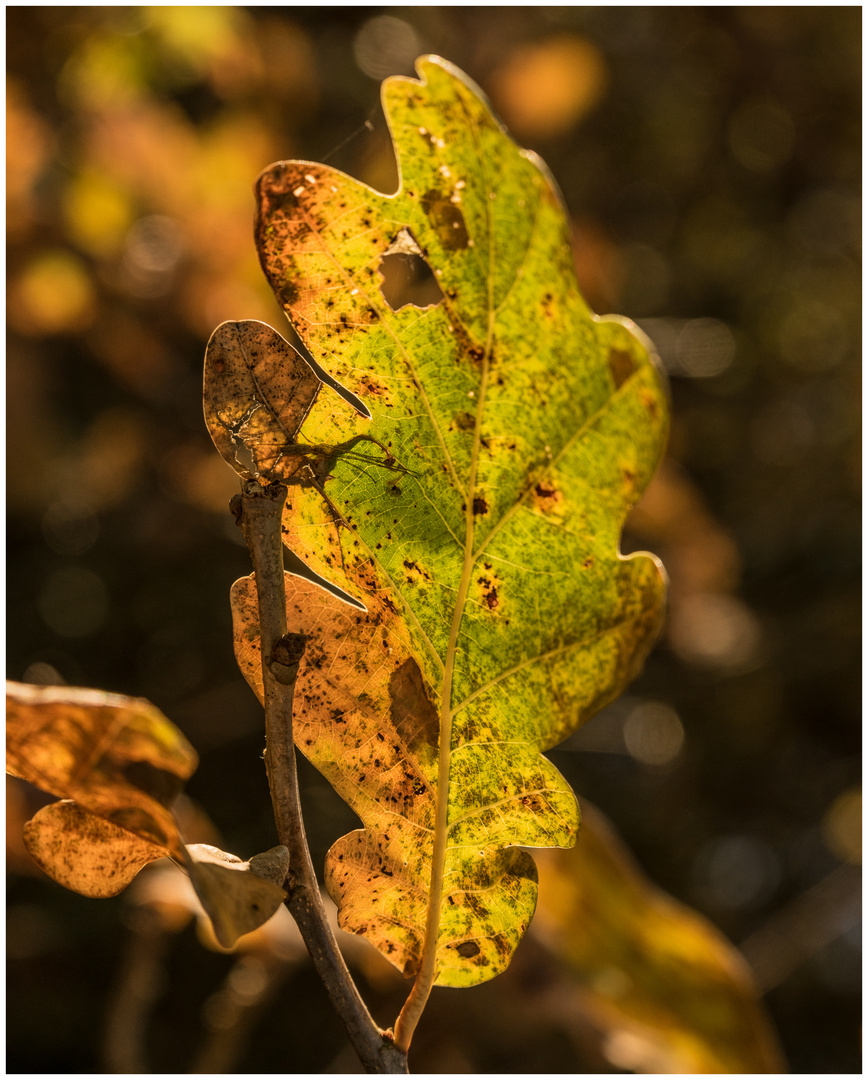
x: 710, y: 160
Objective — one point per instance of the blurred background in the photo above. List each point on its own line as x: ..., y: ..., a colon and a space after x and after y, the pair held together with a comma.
x: 710, y: 160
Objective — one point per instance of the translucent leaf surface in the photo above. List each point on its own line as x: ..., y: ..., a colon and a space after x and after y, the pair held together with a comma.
x: 258, y: 390
x: 670, y: 990
x: 477, y: 515
x: 84, y: 852
x: 119, y: 764
x: 118, y: 757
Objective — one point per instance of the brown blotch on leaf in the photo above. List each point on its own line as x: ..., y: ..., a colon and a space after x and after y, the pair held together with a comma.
x: 413, y: 715
x: 446, y: 219
x: 480, y: 506
x: 467, y: 949
x: 621, y: 365
x: 650, y: 403
x: 547, y: 497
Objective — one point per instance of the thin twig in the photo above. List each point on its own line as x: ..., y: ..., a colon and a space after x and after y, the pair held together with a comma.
x: 259, y: 512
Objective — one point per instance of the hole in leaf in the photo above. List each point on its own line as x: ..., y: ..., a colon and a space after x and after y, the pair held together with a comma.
x: 244, y: 457
x: 407, y: 277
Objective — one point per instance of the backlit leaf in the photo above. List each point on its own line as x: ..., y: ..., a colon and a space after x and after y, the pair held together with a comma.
x: 119, y: 765
x: 258, y: 390
x: 477, y: 515
x: 673, y: 994
x: 118, y: 757
x: 84, y: 852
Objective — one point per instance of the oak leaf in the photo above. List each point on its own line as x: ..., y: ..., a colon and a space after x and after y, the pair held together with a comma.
x: 476, y: 515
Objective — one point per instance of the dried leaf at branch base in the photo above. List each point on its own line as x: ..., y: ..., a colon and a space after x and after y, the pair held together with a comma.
x: 238, y: 896
x: 258, y: 390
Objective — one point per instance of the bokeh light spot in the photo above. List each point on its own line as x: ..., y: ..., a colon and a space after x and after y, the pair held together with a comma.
x: 41, y: 673
x: 761, y: 135
x: 737, y: 871
x: 545, y: 89
x: 74, y: 602
x: 70, y: 526
x: 98, y: 214
x: 385, y: 46
x: 653, y: 733
x: 152, y: 249
x: 842, y: 826
x: 53, y: 295
x: 712, y: 630
x: 706, y: 348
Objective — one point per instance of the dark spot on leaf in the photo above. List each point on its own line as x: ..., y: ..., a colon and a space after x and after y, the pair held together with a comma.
x: 621, y: 366
x: 467, y: 949
x: 547, y: 496
x: 480, y: 506
x: 650, y: 403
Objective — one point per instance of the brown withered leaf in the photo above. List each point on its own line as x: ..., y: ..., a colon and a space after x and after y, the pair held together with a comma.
x: 672, y: 993
x: 257, y: 391
x: 119, y: 765
x: 118, y: 757
x: 237, y: 896
x: 86, y: 853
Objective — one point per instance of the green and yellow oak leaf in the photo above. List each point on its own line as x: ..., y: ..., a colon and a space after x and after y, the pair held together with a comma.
x: 118, y: 764
x: 477, y: 515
